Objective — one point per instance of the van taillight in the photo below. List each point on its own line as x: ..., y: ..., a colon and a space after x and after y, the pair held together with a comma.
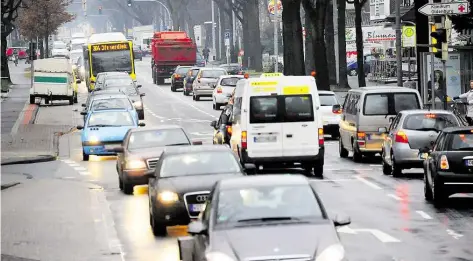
x: 321, y: 137
x: 401, y: 137
x: 244, y: 143
x: 339, y: 111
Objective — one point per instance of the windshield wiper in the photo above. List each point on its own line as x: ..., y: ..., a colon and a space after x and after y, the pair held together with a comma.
x: 268, y: 219
x: 103, y: 125
x: 427, y: 129
x: 178, y: 144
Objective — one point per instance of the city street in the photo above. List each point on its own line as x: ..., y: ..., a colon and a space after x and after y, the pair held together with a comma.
x: 390, y: 218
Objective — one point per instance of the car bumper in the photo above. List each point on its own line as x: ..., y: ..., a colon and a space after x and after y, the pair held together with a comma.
x: 135, y: 176
x: 284, y: 160
x: 203, y: 92
x: 407, y: 157
x: 171, y: 214
x: 454, y: 182
x: 97, y: 150
x: 221, y: 98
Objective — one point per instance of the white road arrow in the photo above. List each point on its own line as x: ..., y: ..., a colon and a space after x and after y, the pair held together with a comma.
x: 381, y: 236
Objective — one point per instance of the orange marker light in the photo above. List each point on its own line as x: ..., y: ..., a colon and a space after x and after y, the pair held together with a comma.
x: 246, y: 76
x: 313, y: 74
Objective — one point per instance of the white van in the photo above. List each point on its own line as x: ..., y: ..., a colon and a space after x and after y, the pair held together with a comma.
x: 277, y: 121
x: 53, y: 80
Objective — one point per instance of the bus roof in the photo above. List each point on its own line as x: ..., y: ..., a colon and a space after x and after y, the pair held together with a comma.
x: 107, y: 37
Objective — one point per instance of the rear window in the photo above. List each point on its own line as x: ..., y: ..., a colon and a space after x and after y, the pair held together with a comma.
x: 274, y: 109
x: 426, y: 122
x: 213, y: 74
x: 182, y: 70
x: 389, y: 103
x: 461, y: 141
x: 229, y: 81
x: 328, y: 100
x: 112, y: 103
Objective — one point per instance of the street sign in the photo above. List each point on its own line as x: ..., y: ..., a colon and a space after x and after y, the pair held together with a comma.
x: 227, y: 42
x: 227, y: 35
x: 439, y: 9
x: 408, y: 36
x: 271, y: 6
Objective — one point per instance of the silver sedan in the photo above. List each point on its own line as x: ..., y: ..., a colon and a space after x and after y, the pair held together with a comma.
x: 224, y: 89
x: 410, y: 131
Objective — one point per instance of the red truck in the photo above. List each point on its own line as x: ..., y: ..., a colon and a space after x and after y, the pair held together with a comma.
x: 170, y: 49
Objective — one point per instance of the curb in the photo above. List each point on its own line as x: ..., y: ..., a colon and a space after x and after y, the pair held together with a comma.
x: 28, y: 160
x: 9, y: 185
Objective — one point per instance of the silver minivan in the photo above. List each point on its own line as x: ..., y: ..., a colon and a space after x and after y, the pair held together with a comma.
x: 367, y: 112
x: 204, y: 84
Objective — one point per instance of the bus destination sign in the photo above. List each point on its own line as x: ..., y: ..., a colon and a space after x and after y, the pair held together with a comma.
x: 110, y: 47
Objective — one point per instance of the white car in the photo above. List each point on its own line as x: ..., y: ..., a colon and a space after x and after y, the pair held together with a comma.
x: 223, y: 90
x: 331, y: 119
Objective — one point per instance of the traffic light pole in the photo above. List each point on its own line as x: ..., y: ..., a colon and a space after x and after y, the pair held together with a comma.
x: 432, y: 64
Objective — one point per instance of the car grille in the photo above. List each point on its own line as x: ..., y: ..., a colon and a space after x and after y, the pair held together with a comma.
x: 152, y: 163
x: 281, y: 258
x: 194, y: 198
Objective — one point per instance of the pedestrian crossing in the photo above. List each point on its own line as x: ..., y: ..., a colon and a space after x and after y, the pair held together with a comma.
x: 77, y: 167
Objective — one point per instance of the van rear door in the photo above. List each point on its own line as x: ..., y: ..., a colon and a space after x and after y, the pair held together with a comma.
x: 300, y: 131
x: 264, y: 131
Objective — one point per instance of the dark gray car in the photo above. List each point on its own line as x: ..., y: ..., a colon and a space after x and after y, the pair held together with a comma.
x: 270, y: 217
x: 132, y: 91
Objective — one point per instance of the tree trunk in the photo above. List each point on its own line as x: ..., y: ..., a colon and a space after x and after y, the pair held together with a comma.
x: 46, y: 48
x: 342, y: 48
x: 246, y: 44
x: 330, y: 43
x: 292, y: 33
x: 5, y: 71
x: 255, y: 50
x: 359, y: 45
x: 223, y: 26
x: 309, y: 47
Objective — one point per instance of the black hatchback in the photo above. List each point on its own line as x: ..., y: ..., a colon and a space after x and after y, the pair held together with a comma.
x: 177, y: 78
x: 233, y: 68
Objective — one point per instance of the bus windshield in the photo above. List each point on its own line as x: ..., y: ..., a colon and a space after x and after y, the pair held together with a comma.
x: 116, y: 61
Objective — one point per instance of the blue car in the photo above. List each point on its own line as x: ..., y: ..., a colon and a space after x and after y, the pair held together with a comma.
x: 110, y: 101
x: 104, y: 130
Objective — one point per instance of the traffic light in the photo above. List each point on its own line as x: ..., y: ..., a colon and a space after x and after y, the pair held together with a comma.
x: 439, y: 40
x: 100, y: 10
x: 129, y: 2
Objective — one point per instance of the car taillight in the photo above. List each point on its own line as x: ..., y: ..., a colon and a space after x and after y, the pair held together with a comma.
x: 444, y: 163
x: 229, y: 130
x: 321, y: 137
x: 339, y: 111
x: 244, y: 143
x: 219, y: 90
x: 177, y: 76
x: 401, y: 137
x: 361, y: 136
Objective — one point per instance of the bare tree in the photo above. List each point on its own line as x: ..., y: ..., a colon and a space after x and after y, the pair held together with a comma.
x: 9, y: 15
x: 342, y: 48
x: 330, y: 44
x: 359, y: 41
x: 292, y: 36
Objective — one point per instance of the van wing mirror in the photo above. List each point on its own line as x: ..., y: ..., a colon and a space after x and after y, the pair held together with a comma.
x: 382, y: 130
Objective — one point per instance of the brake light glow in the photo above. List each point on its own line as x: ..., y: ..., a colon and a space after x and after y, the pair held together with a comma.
x: 229, y: 130
x: 177, y: 76
x: 244, y: 143
x: 339, y: 111
x: 219, y: 90
x: 444, y: 163
x: 430, y: 115
x: 361, y: 135
x: 401, y: 137
x: 321, y: 137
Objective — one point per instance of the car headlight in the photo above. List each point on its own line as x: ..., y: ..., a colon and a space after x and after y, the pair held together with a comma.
x: 137, y: 104
x: 94, y: 140
x: 218, y: 256
x: 135, y: 164
x: 334, y: 252
x: 168, y: 197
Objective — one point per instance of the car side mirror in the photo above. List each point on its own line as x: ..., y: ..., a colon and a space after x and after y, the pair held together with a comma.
x: 83, y: 113
x: 197, y: 228
x: 213, y: 124
x: 118, y: 150
x: 383, y: 130
x: 139, y: 86
x: 78, y: 81
x: 197, y: 142
x: 80, y: 127
x: 141, y: 124
x: 142, y: 94
x: 341, y: 220
x: 83, y: 105
x: 150, y: 174
x: 432, y: 143
x: 214, y: 85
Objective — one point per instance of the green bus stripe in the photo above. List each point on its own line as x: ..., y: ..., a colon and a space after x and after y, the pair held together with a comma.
x: 50, y: 79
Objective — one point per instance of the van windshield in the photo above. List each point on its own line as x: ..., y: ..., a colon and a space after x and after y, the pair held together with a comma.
x: 282, y: 108
x: 389, y: 103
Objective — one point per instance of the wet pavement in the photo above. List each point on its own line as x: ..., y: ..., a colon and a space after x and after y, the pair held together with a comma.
x: 390, y: 218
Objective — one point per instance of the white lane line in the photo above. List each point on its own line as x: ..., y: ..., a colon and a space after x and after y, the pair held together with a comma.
x: 394, y: 197
x: 368, y: 183
x: 375, y: 165
x: 423, y: 214
x: 187, y: 103
x: 362, y: 169
x: 80, y: 168
x: 84, y: 173
x: 331, y: 180
x: 68, y: 161
x: 73, y: 164
x: 454, y: 234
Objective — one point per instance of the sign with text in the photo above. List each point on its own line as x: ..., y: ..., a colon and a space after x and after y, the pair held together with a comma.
x: 110, y: 47
x: 408, y: 36
x: 439, y: 9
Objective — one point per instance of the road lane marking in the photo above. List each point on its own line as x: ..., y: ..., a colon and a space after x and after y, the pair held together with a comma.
x: 380, y: 235
x: 84, y: 173
x: 394, y: 197
x: 423, y: 214
x: 73, y: 165
x: 368, y: 183
x: 80, y: 168
x: 454, y: 234
x: 331, y: 180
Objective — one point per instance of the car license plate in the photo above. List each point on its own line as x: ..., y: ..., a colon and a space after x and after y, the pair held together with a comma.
x: 469, y: 163
x: 196, y: 207
x: 376, y: 137
x: 112, y: 146
x: 265, y: 139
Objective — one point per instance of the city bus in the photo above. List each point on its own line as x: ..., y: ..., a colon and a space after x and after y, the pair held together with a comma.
x: 107, y: 52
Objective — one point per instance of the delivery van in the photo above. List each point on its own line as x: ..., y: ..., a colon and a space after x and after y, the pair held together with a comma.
x: 53, y: 79
x: 277, y: 122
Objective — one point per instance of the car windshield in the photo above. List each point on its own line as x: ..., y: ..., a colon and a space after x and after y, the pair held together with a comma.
x: 182, y: 70
x: 461, y: 142
x: 257, y: 203
x: 157, y: 138
x: 111, y: 61
x: 213, y: 74
x: 429, y: 121
x: 328, y: 100
x: 118, y: 81
x: 110, y: 119
x: 199, y: 163
x: 230, y: 81
x: 112, y: 103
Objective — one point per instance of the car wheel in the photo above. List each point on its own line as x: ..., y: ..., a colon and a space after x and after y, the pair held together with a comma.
x: 46, y: 100
x: 213, y: 105
x: 71, y: 100
x: 386, y: 167
x: 85, y: 157
x: 75, y: 98
x: 438, y: 193
x: 217, y: 106
x: 127, y: 188
x: 319, y: 168
x: 173, y: 89
x: 357, y: 156
x: 159, y: 230
x: 197, y: 98
x: 141, y: 114
x: 427, y: 189
x: 193, y: 97
x: 396, y: 170
x: 341, y: 150
x: 32, y: 99
x: 120, y: 183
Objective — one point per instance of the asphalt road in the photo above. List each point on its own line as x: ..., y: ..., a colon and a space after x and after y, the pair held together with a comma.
x: 390, y: 218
